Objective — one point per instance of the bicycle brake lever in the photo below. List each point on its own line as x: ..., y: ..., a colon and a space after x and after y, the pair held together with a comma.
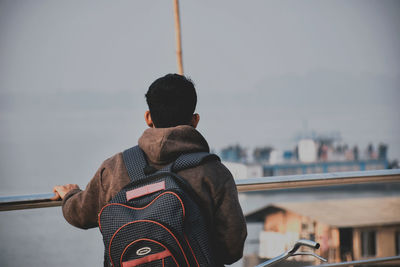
x: 307, y: 253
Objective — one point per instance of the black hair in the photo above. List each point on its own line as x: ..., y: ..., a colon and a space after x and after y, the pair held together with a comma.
x: 172, y: 100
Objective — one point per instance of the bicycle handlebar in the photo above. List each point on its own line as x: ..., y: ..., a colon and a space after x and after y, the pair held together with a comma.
x: 304, y: 242
x: 292, y: 252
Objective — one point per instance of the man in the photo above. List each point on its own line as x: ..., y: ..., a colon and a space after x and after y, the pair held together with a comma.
x: 171, y: 119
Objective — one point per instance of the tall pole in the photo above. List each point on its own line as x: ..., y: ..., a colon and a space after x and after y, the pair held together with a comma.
x: 178, y: 37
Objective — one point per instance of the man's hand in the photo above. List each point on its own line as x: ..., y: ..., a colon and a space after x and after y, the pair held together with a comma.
x: 61, y: 190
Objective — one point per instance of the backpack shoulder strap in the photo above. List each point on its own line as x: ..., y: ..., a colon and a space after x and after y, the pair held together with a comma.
x: 191, y: 160
x: 135, y: 163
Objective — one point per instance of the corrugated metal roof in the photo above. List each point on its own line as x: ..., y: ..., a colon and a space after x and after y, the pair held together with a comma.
x: 349, y: 212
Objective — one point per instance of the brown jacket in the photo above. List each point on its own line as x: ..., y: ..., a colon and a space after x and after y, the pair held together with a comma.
x: 212, y: 181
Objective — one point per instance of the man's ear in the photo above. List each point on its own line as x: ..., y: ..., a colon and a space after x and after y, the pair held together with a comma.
x: 195, y: 120
x: 147, y: 118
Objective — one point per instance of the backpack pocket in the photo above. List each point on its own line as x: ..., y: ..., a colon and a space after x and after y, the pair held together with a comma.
x: 145, y: 249
x: 146, y: 252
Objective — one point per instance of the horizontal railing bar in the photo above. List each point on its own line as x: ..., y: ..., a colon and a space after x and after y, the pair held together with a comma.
x: 22, y: 198
x: 359, y: 262
x: 253, y: 184
x: 313, y: 180
x: 28, y: 202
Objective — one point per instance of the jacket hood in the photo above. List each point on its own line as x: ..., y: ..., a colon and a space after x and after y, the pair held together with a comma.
x: 164, y: 145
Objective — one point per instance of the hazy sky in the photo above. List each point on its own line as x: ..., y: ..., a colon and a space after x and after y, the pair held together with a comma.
x: 73, y: 76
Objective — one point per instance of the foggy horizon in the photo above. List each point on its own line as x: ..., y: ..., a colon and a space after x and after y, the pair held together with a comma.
x: 73, y: 77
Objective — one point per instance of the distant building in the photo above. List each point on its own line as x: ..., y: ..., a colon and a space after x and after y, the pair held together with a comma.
x: 262, y: 154
x: 293, y: 168
x: 233, y: 154
x: 244, y: 171
x: 309, y: 156
x: 347, y: 229
x: 307, y: 150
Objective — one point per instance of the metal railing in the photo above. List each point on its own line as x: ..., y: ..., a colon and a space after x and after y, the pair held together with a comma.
x: 254, y: 184
x: 8, y: 203
x: 360, y: 262
x: 313, y: 180
x: 28, y: 202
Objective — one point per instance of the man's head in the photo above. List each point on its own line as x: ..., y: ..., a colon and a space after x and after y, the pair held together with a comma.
x: 172, y: 100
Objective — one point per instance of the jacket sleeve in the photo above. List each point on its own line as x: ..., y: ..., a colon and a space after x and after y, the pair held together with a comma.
x: 230, y: 225
x: 81, y: 207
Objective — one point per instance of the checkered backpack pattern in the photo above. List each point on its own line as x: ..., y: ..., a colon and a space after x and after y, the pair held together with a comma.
x: 156, y: 220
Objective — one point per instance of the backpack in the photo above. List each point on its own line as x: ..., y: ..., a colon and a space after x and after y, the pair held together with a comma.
x: 157, y: 219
